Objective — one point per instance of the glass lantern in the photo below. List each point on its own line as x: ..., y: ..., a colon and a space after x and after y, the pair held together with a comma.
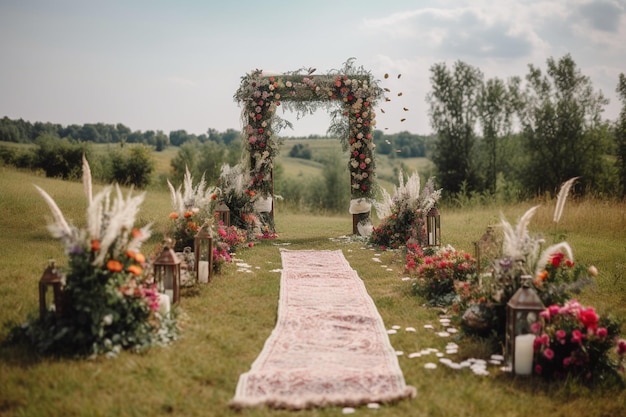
x: 203, y: 252
x: 522, y: 311
x: 167, y: 273
x: 433, y: 227
x: 52, y: 279
x: 223, y: 214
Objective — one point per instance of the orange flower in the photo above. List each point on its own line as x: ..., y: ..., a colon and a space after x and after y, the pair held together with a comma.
x: 95, y: 245
x: 114, y: 265
x: 135, y: 270
x: 173, y: 215
x: 131, y: 254
x: 136, y: 233
x: 214, y: 197
x: 543, y: 275
x: 140, y: 257
x: 188, y: 214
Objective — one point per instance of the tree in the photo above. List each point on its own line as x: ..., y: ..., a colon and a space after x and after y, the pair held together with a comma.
x: 564, y: 135
x: 453, y: 112
x: 620, y: 134
x: 496, y: 105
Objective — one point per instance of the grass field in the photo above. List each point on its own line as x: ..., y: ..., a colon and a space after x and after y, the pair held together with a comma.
x: 225, y: 324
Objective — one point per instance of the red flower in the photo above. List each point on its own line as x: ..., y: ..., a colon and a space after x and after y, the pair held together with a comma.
x: 556, y: 259
x: 95, y: 245
x: 589, y: 318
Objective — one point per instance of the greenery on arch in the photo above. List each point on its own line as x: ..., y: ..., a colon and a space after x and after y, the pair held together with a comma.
x: 349, y: 94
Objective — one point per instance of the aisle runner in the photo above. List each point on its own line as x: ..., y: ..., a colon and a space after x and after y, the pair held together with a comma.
x: 329, y: 346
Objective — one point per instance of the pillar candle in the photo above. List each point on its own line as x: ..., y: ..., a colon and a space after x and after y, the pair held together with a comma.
x: 203, y: 271
x: 164, y: 304
x: 524, y: 354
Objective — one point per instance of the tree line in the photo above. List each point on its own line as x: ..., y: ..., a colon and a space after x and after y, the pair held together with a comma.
x: 500, y: 136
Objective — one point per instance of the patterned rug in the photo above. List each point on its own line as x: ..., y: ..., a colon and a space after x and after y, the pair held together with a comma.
x: 329, y: 347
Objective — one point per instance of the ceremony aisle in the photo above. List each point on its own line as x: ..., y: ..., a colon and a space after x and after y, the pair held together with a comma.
x: 329, y: 346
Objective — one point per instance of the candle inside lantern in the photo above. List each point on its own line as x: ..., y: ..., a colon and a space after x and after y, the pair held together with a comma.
x: 203, y: 271
x: 524, y: 354
x: 164, y: 304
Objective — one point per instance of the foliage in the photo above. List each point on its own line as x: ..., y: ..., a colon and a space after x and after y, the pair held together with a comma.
x: 555, y: 276
x: 192, y: 206
x: 439, y: 274
x: 563, y: 133
x: 353, y: 87
x: 572, y: 340
x: 59, y: 158
x: 133, y: 167
x: 453, y: 113
x: 403, y: 214
x: 109, y: 301
x: 300, y: 150
x: 620, y: 134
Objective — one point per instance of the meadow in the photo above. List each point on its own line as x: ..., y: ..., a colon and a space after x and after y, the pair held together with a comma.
x: 225, y: 323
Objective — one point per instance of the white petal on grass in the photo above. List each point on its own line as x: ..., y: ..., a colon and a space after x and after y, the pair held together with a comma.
x: 439, y: 355
x: 414, y: 355
x: 410, y: 329
x: 375, y: 259
x: 430, y: 365
x: 497, y: 357
x: 428, y: 326
x: 406, y: 278
x: 348, y: 410
x: 396, y: 327
x: 399, y: 353
x: 392, y: 331
x: 443, y: 334
x: 451, y: 330
x: 373, y: 405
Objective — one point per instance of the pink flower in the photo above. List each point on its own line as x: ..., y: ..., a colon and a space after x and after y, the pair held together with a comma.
x: 602, y: 332
x: 577, y: 336
x: 549, y: 354
x: 560, y: 335
x: 621, y: 347
x: 554, y: 309
x: 567, y: 361
x: 535, y: 327
x: 538, y: 369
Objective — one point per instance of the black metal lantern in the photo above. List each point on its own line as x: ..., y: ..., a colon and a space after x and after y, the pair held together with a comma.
x: 203, y: 253
x: 522, y: 311
x: 167, y: 273
x: 52, y: 279
x: 433, y: 227
x: 223, y: 213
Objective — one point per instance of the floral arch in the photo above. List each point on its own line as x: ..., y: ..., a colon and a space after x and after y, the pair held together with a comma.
x: 349, y: 94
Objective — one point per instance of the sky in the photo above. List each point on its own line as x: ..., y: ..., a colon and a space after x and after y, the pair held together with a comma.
x: 172, y: 65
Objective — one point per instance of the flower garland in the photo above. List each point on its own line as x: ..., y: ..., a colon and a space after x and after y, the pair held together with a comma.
x: 353, y: 88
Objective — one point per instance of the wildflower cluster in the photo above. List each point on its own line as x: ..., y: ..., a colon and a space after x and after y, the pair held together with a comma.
x: 440, y: 273
x: 192, y: 206
x: 403, y: 213
x: 227, y: 240
x: 109, y: 301
x: 573, y: 340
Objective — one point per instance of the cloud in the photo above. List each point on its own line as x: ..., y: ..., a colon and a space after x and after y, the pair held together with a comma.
x: 459, y: 32
x: 602, y: 15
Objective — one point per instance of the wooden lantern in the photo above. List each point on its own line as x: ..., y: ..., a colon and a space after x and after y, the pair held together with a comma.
x: 167, y: 273
x: 433, y: 227
x: 203, y: 254
x: 52, y: 279
x: 223, y: 214
x: 522, y: 311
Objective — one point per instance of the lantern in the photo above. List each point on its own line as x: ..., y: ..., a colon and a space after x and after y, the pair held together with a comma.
x: 167, y: 273
x: 433, y: 227
x: 522, y: 311
x: 52, y: 279
x: 203, y: 252
x: 223, y: 213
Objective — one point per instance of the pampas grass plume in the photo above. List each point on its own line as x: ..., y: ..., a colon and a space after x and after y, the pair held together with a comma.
x: 562, y: 197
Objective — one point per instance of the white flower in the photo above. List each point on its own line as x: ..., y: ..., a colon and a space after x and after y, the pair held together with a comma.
x: 107, y: 320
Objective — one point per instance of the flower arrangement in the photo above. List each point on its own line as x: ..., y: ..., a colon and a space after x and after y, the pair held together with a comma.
x: 227, y: 240
x: 111, y: 303
x: 573, y: 340
x: 403, y: 213
x: 352, y: 87
x: 191, y: 207
x: 439, y: 274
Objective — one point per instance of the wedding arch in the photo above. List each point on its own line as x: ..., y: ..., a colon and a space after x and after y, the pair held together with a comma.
x: 349, y: 94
